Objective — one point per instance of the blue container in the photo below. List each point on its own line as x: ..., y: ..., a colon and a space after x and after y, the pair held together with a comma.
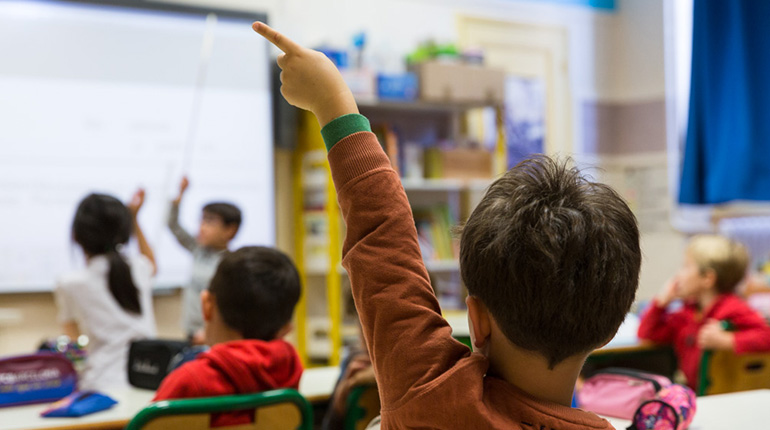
x: 338, y: 57
x: 400, y: 87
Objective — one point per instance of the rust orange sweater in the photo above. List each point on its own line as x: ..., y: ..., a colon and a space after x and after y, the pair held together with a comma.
x: 427, y: 380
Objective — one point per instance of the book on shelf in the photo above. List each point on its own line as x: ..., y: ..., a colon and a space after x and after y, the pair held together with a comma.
x: 389, y: 141
x: 434, y: 232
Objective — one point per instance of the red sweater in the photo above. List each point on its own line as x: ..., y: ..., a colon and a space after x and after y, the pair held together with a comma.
x: 237, y: 367
x: 752, y: 334
x: 426, y: 379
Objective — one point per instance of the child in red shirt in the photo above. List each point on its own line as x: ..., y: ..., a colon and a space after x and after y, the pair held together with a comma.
x: 247, y: 310
x: 713, y: 267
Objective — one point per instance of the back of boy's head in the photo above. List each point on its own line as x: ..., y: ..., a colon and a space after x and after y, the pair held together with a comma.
x: 255, y: 290
x: 554, y: 257
x: 227, y: 212
x: 728, y: 259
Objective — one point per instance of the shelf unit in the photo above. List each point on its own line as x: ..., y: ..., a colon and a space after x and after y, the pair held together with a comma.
x: 319, y: 230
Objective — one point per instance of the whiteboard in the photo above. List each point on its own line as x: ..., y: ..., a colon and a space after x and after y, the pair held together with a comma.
x: 99, y: 99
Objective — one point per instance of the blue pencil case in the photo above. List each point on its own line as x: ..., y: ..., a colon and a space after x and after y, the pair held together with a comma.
x: 79, y: 404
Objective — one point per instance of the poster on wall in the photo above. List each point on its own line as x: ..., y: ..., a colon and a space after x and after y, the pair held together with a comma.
x: 524, y: 117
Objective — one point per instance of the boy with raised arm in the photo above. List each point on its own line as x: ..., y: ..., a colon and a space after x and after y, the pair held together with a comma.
x: 219, y: 224
x: 551, y: 262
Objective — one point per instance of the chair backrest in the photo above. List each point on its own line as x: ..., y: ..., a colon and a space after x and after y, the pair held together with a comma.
x: 274, y: 410
x: 727, y: 372
x: 363, y: 404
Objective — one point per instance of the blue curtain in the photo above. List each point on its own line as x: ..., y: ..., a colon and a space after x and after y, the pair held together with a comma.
x: 727, y: 151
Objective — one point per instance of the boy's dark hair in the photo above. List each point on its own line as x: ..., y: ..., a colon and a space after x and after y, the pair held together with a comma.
x: 227, y: 212
x: 255, y: 289
x: 554, y: 257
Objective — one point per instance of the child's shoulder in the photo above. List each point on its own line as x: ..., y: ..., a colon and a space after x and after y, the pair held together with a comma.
x: 730, y: 304
x: 185, y: 381
x: 70, y: 280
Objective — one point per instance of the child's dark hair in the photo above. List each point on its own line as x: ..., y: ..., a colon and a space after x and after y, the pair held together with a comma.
x: 227, y: 212
x: 554, y: 257
x: 255, y: 289
x: 102, y: 224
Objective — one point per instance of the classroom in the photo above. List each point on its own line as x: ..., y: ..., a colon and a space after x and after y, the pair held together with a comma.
x: 292, y: 214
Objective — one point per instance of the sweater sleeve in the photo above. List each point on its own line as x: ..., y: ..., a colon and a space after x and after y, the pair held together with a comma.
x: 656, y: 325
x: 752, y: 333
x: 182, y: 236
x: 409, y: 341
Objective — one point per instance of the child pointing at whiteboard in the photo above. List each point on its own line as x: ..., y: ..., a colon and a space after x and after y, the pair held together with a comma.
x: 110, y: 300
x: 219, y: 224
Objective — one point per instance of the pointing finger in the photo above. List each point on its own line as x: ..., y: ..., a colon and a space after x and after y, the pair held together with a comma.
x: 279, y: 40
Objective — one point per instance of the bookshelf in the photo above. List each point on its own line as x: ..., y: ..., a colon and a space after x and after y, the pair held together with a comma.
x: 438, y: 203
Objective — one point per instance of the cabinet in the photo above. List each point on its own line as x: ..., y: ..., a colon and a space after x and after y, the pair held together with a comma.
x: 408, y: 131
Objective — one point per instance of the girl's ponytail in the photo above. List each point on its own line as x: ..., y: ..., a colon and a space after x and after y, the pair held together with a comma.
x: 102, y: 224
x: 122, y: 284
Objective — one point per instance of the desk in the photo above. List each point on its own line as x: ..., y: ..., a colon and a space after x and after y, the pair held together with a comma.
x: 744, y: 410
x: 316, y: 385
x: 625, y: 339
x: 130, y: 401
x: 458, y: 320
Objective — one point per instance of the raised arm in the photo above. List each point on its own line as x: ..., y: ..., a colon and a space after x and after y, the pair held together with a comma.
x: 182, y: 236
x: 144, y: 247
x: 409, y: 341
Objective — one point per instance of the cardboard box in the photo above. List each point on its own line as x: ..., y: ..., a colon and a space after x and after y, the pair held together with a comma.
x: 460, y: 83
x: 459, y: 163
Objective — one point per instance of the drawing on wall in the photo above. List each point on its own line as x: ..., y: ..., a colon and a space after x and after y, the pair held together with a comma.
x: 524, y: 117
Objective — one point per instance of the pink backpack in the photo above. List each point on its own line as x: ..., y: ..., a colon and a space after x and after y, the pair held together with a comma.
x: 673, y: 409
x: 617, y: 392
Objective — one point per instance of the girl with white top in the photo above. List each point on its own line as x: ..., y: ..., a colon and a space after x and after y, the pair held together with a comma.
x: 110, y: 300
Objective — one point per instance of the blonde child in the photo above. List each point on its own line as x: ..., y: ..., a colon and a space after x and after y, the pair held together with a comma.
x: 713, y: 267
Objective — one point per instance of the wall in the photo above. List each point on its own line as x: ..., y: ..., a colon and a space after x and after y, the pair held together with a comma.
x: 38, y: 320
x: 617, y: 79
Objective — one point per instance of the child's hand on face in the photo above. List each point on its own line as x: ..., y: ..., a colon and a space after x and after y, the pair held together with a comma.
x: 137, y: 200
x: 669, y: 292
x: 713, y: 336
x: 309, y: 80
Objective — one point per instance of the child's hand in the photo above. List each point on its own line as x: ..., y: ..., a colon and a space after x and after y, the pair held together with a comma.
x: 359, y: 372
x: 668, y: 294
x: 137, y: 200
x: 309, y: 79
x: 713, y: 336
x: 183, y: 184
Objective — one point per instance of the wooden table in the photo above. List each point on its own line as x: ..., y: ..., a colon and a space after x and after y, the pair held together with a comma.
x: 744, y: 410
x: 316, y: 385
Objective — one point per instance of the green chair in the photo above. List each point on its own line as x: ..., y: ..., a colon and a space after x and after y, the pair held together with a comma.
x: 363, y: 404
x: 277, y: 409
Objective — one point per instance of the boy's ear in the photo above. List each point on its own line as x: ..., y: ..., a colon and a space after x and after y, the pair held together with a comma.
x: 231, y: 231
x: 285, y: 330
x: 207, y: 305
x: 478, y: 322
